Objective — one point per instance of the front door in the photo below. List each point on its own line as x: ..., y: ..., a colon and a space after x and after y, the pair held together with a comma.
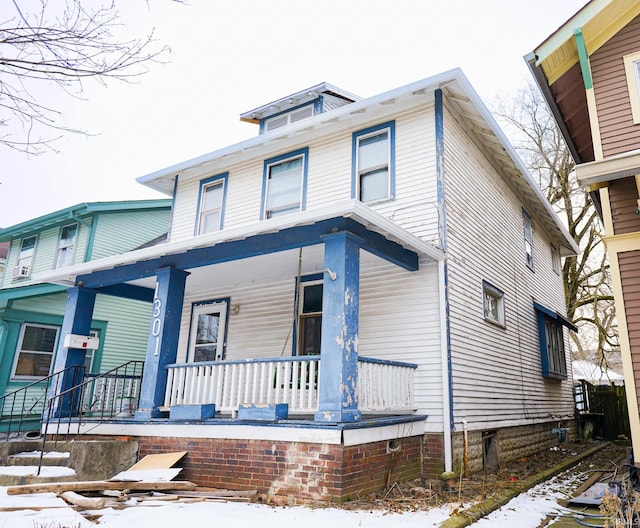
x: 208, y: 325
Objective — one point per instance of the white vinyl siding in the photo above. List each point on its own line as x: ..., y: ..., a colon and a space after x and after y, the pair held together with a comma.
x: 497, y: 377
x: 329, y: 180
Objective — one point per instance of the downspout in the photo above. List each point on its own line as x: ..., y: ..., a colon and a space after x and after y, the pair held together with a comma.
x: 585, y: 68
x: 443, y: 289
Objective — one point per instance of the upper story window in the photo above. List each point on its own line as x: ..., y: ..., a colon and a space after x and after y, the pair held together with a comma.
x: 211, y: 204
x: 551, y: 335
x: 25, y: 258
x: 632, y: 71
x: 310, y: 327
x: 292, y: 116
x: 284, y: 184
x: 66, y: 245
x: 493, y: 304
x: 555, y: 259
x: 528, y: 238
x: 373, y: 163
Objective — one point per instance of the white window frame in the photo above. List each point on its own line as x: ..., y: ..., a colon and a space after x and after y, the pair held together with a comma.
x: 555, y: 259
x: 204, y: 308
x: 25, y: 256
x: 493, y: 305
x: 291, y: 116
x: 65, y: 253
x: 292, y: 207
x: 20, y: 350
x: 527, y: 227
x: 632, y: 72
x: 216, y: 181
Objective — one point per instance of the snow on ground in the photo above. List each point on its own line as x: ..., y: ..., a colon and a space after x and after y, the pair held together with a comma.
x: 45, y: 471
x: 524, y: 511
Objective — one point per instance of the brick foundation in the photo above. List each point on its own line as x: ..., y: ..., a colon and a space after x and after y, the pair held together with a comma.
x: 298, y: 470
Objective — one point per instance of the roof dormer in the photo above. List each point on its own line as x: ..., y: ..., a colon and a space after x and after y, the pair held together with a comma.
x: 301, y: 105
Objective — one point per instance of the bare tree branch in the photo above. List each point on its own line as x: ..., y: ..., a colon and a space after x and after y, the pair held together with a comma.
x: 62, y: 43
x: 586, y: 276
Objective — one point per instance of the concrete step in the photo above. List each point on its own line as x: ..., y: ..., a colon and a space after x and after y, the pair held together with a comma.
x: 32, y: 458
x: 19, y: 475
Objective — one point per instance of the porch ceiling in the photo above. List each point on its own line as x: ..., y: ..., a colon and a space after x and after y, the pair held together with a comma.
x: 234, y: 251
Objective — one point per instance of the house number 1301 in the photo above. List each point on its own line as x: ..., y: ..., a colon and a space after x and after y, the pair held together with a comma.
x: 156, y: 323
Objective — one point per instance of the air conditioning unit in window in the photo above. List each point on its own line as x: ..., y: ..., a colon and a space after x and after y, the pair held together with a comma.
x: 21, y: 272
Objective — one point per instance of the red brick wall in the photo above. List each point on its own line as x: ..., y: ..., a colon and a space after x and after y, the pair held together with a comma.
x: 293, y: 469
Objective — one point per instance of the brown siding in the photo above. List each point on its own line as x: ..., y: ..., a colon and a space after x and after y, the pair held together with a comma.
x: 629, y: 262
x: 617, y: 131
x: 623, y: 197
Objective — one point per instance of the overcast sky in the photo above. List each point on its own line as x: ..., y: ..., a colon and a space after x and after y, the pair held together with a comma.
x: 230, y: 56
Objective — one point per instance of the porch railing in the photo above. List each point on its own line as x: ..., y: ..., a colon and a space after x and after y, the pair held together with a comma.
x: 383, y: 386
x: 292, y: 380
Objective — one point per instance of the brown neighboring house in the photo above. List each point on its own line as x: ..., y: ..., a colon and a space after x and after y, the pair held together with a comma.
x: 589, y: 73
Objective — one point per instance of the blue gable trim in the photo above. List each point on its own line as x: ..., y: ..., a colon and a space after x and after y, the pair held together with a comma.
x: 293, y: 237
x: 30, y: 291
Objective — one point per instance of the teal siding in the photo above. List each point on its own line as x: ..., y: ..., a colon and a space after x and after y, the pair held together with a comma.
x: 46, y: 250
x: 120, y: 232
x: 124, y: 339
x: 127, y: 329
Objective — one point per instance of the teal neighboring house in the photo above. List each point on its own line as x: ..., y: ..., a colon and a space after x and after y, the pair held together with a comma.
x: 31, y: 312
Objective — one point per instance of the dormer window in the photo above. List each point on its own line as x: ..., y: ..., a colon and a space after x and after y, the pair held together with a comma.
x: 286, y: 118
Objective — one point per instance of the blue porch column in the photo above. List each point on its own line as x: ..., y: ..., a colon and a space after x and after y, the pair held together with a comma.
x: 339, y: 348
x: 162, y: 344
x: 77, y: 320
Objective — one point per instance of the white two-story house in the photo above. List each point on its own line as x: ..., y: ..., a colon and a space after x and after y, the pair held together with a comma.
x: 366, y: 291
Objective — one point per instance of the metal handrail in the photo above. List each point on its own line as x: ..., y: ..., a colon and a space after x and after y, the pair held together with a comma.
x: 98, y: 398
x: 25, y: 408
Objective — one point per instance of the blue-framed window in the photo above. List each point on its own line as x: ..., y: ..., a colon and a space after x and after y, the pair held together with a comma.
x: 25, y: 258
x: 551, y: 333
x: 211, y: 200
x: 284, y: 184
x: 373, y: 163
x: 493, y: 304
x: 310, y: 315
x: 528, y: 238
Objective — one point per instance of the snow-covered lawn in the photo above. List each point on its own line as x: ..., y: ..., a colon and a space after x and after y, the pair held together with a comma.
x: 524, y: 511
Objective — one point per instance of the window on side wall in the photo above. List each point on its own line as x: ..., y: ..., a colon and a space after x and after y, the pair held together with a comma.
x: 551, y: 334
x: 555, y: 259
x: 284, y: 184
x: 632, y: 71
x: 528, y: 238
x: 373, y: 169
x: 211, y: 204
x: 36, y: 346
x: 493, y: 304
x: 66, y: 245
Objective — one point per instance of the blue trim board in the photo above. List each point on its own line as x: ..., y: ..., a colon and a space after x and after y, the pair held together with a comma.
x: 442, y: 232
x: 391, y: 125
x: 203, y: 183
x: 34, y: 290
x: 290, y: 238
x: 173, y: 204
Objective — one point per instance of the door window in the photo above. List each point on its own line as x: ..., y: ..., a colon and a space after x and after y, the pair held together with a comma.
x: 208, y: 325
